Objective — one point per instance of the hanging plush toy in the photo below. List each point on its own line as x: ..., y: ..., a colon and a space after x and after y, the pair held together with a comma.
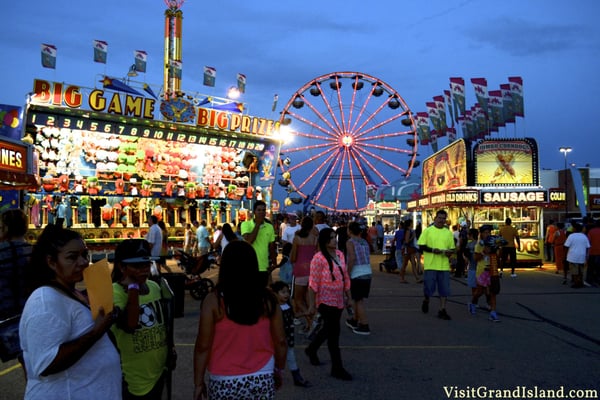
x: 146, y: 189
x: 63, y: 183
x: 119, y: 186
x: 133, y: 189
x: 93, y: 187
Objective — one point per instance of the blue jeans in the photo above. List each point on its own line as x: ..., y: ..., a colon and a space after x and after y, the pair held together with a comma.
x: 399, y: 257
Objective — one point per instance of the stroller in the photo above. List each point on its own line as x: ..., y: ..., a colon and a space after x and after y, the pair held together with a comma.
x: 389, y: 264
x: 193, y: 267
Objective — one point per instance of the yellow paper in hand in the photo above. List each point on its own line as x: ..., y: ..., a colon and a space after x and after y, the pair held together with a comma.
x: 99, y: 287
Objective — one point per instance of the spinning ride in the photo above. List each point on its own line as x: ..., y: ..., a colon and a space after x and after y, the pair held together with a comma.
x: 352, y: 133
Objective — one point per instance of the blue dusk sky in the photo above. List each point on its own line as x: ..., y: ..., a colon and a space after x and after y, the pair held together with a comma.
x: 413, y: 46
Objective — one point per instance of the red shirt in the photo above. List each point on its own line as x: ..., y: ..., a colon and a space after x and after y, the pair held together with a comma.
x: 594, y: 238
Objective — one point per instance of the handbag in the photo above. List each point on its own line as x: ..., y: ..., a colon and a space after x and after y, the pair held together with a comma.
x: 10, y: 346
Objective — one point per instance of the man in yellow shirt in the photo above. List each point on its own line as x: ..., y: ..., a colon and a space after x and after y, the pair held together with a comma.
x: 260, y: 233
x: 509, y: 251
x: 437, y: 244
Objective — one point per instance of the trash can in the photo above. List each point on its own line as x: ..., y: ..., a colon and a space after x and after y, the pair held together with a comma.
x: 177, y: 284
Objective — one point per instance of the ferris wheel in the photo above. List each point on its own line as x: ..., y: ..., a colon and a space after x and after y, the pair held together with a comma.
x: 351, y: 133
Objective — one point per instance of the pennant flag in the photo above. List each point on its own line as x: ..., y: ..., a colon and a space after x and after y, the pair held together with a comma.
x: 210, y: 76
x: 275, y: 98
x: 176, y: 69
x: 115, y: 84
x: 149, y: 90
x: 440, y: 104
x: 457, y: 87
x: 480, y: 122
x: 140, y: 57
x: 204, y: 101
x: 451, y: 130
x: 507, y: 102
x: 434, y: 117
x: 468, y: 130
x: 49, y: 56
x: 423, y: 128
x: 496, y: 108
x: 241, y: 83
x: 481, y: 92
x: 233, y: 107
x: 516, y: 91
x: 100, y: 51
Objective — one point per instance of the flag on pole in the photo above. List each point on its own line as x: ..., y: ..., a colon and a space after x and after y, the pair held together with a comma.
x: 140, y: 57
x: 508, y: 105
x: 100, y: 51
x: 434, y: 117
x: 241, y: 83
x: 451, y: 130
x: 275, y: 98
x: 516, y: 91
x: 481, y: 92
x: 210, y: 75
x: 440, y: 104
x: 423, y: 128
x: 49, y: 56
x: 457, y: 87
x: 176, y: 68
x: 496, y: 108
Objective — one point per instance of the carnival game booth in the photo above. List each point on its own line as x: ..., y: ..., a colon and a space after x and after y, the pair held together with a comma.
x: 498, y: 179
x: 104, y: 154
x: 17, y: 171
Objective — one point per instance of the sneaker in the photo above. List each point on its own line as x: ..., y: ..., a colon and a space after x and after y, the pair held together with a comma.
x: 494, y: 317
x: 513, y: 275
x: 362, y: 329
x: 351, y: 323
x: 442, y: 314
x: 472, y: 308
x: 425, y: 306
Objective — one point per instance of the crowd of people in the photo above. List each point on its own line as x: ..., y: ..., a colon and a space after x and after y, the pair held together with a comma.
x: 248, y: 324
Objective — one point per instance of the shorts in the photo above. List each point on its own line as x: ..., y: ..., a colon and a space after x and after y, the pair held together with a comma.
x: 433, y: 279
x: 360, y: 288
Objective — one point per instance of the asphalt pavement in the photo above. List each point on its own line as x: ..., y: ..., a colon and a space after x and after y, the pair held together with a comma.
x: 546, y: 344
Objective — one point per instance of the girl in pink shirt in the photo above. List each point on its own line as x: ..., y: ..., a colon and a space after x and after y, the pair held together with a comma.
x: 329, y: 292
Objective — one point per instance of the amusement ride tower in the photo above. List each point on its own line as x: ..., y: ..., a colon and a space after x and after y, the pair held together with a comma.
x: 173, y: 33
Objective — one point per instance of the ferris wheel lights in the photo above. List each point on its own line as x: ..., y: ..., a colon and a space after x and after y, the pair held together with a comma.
x: 285, y: 134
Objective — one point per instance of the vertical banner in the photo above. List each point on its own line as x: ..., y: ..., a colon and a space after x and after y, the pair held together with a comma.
x: 100, y: 51
x: 275, y: 99
x: 516, y: 91
x: 481, y: 92
x: 507, y: 103
x: 457, y: 87
x: 241, y: 83
x: 140, y: 57
x: 49, y: 56
x: 210, y: 76
x: 496, y: 108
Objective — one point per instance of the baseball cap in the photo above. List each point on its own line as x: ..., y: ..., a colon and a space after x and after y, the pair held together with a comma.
x: 134, y: 251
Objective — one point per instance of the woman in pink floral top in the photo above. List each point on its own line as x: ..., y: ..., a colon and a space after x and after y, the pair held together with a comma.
x: 329, y: 292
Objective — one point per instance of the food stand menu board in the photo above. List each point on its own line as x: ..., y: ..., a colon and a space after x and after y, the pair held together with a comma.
x: 502, y: 162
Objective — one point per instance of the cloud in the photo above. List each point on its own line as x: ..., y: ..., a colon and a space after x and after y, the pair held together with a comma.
x: 520, y: 37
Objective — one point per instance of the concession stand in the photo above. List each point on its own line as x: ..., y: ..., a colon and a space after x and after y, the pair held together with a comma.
x: 495, y: 180
x: 117, y: 157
